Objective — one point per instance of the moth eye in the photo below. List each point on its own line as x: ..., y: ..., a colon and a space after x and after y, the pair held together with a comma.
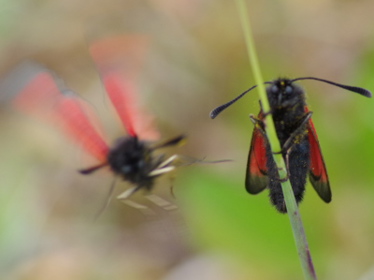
x: 288, y: 90
x: 274, y: 89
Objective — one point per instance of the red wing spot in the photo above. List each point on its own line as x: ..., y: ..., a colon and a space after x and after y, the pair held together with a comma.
x: 256, y: 177
x: 318, y: 167
x: 78, y: 121
x: 258, y: 154
x: 119, y: 60
x: 123, y: 95
x: 43, y: 99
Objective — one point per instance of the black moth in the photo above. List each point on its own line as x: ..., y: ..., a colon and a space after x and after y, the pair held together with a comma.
x: 297, y: 137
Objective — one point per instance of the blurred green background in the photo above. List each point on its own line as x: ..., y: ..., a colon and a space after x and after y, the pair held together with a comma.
x: 197, y: 62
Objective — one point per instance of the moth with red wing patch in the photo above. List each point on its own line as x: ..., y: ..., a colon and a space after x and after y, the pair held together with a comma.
x: 298, y: 139
x: 40, y: 93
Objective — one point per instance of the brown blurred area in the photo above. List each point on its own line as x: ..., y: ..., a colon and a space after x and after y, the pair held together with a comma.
x: 197, y: 60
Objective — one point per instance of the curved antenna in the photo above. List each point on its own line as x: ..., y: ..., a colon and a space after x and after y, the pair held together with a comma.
x: 358, y: 90
x: 214, y: 113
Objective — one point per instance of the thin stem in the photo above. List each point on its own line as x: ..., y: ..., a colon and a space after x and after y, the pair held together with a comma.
x: 289, y: 197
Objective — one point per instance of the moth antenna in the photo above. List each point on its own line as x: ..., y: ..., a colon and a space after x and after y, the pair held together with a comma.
x: 214, y: 113
x: 358, y: 90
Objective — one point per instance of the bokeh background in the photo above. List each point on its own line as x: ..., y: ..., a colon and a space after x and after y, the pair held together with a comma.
x: 197, y: 61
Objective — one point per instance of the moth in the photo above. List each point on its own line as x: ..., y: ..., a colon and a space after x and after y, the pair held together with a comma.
x: 298, y: 139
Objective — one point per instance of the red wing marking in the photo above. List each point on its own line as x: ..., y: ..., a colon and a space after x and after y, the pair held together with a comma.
x: 257, y: 158
x: 122, y: 97
x: 119, y: 60
x: 42, y: 98
x: 256, y: 177
x: 318, y: 167
x: 77, y: 119
x: 38, y: 96
x: 318, y: 173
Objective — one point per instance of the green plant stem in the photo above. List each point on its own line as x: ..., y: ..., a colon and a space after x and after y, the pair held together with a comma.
x: 289, y: 197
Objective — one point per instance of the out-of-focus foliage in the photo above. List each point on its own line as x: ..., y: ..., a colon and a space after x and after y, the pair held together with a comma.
x: 197, y: 61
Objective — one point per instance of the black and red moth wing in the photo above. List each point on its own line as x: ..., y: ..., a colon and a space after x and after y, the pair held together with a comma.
x: 256, y: 178
x: 76, y: 117
x: 317, y: 173
x: 42, y: 97
x: 118, y: 60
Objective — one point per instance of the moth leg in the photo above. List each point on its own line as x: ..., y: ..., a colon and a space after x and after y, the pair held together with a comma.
x: 285, y: 179
x: 259, y: 124
x: 299, y: 131
x: 265, y: 114
x: 163, y: 167
x: 127, y: 193
x: 287, y: 158
x: 161, y: 202
x: 166, y: 162
x: 160, y: 171
x: 287, y: 162
x: 257, y: 121
x: 123, y: 197
x: 291, y: 140
x: 142, y: 208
